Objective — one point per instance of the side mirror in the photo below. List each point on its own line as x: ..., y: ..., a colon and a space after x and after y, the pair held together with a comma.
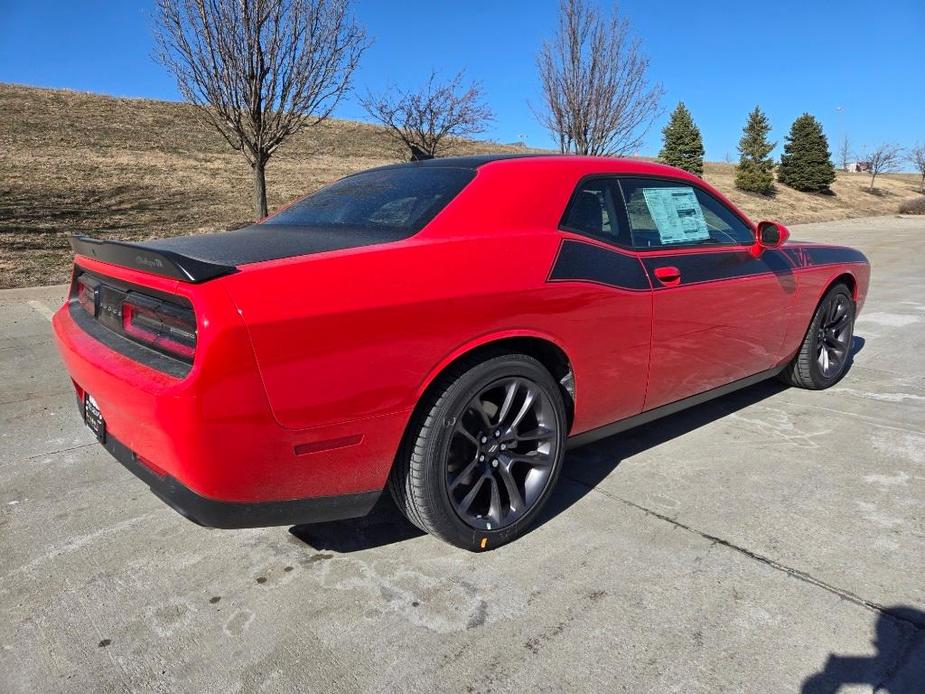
x: 769, y: 235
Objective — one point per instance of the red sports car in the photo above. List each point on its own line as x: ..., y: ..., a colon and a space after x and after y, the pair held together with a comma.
x: 445, y: 328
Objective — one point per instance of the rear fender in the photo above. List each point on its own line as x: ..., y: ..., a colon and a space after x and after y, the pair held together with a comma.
x: 483, y: 341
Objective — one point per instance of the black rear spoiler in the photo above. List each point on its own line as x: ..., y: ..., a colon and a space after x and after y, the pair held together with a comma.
x: 158, y: 262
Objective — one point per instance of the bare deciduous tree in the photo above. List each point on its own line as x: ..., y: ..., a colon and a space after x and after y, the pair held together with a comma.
x: 259, y: 70
x: 597, y: 96
x: 423, y: 121
x: 844, y: 153
x: 917, y: 157
x: 884, y: 159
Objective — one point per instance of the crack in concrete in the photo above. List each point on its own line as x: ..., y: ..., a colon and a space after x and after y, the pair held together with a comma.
x: 917, y: 625
x: 20, y: 461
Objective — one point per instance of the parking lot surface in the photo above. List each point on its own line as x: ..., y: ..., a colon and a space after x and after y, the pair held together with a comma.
x: 772, y: 540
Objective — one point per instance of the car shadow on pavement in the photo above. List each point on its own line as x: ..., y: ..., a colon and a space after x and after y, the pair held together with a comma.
x: 857, y: 344
x: 384, y: 525
x: 584, y: 467
x: 588, y: 466
x: 898, y: 666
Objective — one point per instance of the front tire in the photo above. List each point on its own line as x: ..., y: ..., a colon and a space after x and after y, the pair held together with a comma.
x: 483, y: 452
x: 826, y: 349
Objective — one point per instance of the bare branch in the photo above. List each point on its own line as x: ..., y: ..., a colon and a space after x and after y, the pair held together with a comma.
x: 426, y: 119
x: 884, y: 159
x: 597, y: 96
x: 259, y: 70
x: 917, y: 157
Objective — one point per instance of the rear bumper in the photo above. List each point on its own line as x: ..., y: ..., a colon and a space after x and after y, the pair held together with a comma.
x: 213, y: 432
x: 224, y: 514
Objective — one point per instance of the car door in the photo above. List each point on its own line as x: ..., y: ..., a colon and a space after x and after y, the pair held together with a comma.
x: 610, y: 322
x: 719, y: 313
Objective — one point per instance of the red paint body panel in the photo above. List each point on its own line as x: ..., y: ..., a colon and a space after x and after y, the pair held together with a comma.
x: 708, y: 334
x: 314, y: 351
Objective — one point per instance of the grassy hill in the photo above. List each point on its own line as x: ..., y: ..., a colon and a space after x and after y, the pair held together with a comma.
x: 134, y: 168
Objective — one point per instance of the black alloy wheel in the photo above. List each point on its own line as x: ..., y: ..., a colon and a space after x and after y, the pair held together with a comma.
x: 833, y: 336
x: 483, y: 451
x: 825, y: 353
x: 501, y: 453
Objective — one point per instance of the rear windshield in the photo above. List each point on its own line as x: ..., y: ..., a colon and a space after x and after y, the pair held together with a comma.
x: 403, y: 199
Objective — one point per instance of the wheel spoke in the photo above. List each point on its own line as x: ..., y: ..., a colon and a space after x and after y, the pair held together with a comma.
x: 528, y: 403
x: 830, y: 315
x: 467, y: 500
x: 534, y: 459
x: 464, y: 475
x: 508, y: 401
x: 494, y: 507
x: 824, y: 360
x: 513, y: 491
x: 462, y: 431
x: 538, y: 434
x: 479, y: 407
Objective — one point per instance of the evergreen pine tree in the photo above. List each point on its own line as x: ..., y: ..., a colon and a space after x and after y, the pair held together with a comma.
x: 806, y: 163
x: 683, y: 145
x: 755, y: 172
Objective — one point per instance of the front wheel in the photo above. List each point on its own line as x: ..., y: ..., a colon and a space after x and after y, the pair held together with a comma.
x: 483, y: 452
x: 826, y: 350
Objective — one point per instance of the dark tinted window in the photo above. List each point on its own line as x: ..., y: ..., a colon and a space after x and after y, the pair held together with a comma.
x: 672, y: 213
x: 402, y: 198
x: 593, y: 210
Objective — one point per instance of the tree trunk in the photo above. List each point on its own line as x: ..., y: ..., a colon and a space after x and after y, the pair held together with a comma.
x: 260, y: 189
x: 873, y: 177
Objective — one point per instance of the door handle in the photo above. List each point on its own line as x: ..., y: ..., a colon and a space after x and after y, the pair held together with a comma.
x: 668, y: 275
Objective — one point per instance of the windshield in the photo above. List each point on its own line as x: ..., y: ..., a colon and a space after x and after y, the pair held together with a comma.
x: 404, y: 198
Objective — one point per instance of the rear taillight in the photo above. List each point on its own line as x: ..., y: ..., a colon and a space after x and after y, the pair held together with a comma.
x: 162, y: 322
x: 164, y: 327
x: 88, y: 294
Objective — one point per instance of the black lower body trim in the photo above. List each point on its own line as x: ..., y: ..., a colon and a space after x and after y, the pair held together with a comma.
x: 234, y: 514
x: 672, y: 407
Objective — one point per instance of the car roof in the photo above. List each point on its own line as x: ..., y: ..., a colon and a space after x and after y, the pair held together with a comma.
x: 602, y: 164
x: 472, y: 161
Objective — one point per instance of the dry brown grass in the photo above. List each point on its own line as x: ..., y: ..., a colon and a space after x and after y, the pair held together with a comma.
x: 850, y: 197
x: 134, y: 168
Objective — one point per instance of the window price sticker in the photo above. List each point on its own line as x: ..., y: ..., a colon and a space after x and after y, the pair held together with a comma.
x: 677, y: 214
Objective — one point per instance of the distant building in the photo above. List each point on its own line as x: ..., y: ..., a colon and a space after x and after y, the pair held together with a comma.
x: 858, y: 166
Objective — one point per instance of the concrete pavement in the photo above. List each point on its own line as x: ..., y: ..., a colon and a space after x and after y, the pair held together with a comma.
x: 773, y: 540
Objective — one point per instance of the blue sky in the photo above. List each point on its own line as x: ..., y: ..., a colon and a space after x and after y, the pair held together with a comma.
x: 720, y: 57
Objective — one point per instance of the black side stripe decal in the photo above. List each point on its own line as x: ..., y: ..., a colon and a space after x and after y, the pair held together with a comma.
x: 723, y: 265
x: 586, y: 262
x: 808, y: 256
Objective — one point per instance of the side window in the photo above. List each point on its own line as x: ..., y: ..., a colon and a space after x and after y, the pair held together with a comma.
x: 671, y: 213
x: 593, y: 210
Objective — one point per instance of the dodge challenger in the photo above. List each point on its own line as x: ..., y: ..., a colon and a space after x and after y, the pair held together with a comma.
x: 445, y: 329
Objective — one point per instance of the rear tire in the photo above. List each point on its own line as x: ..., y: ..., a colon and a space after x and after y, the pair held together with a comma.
x: 825, y: 352
x: 482, y: 452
